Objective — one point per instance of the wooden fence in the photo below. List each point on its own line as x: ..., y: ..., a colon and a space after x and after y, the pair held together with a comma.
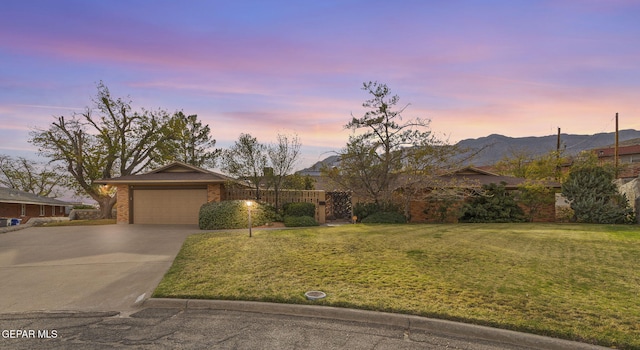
x: 286, y: 196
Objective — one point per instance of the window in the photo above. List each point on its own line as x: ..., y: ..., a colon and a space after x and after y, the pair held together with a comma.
x: 42, y: 210
x: 23, y: 210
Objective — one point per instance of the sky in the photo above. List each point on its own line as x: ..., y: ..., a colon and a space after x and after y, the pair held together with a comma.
x: 473, y: 67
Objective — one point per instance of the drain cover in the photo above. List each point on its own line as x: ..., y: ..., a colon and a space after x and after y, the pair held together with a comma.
x: 315, y: 295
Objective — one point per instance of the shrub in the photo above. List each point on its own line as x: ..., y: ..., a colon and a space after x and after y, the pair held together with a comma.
x: 84, y: 206
x: 595, y: 198
x: 234, y: 214
x: 300, y: 209
x: 362, y: 210
x: 496, y: 204
x: 299, y: 221
x: 564, y: 214
x: 385, y: 217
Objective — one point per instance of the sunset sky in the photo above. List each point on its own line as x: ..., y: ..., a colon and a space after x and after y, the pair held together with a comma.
x: 513, y: 67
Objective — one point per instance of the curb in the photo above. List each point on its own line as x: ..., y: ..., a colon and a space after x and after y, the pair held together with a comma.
x: 408, y: 322
x: 16, y: 227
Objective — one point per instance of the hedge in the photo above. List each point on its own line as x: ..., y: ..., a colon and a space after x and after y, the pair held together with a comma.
x: 300, y: 209
x: 234, y: 214
x: 384, y: 218
x: 299, y: 221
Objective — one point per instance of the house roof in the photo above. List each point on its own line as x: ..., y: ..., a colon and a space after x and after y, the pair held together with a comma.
x: 481, y: 177
x: 622, y: 151
x: 11, y: 195
x: 174, y: 173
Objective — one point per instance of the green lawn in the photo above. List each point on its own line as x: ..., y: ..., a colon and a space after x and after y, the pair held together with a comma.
x: 80, y: 223
x: 579, y: 282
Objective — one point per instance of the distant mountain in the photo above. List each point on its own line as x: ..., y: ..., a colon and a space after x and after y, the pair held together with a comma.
x: 314, y: 170
x: 496, y: 147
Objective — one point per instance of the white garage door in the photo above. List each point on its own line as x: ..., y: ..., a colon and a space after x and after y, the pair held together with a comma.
x: 168, y: 206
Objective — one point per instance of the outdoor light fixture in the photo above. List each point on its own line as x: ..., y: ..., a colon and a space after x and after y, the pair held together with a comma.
x: 249, y: 204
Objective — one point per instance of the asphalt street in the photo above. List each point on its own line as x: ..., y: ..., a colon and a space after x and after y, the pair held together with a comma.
x: 173, y: 328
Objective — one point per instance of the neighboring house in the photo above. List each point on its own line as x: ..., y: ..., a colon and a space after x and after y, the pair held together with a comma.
x: 172, y: 194
x: 446, y: 209
x: 25, y: 205
x: 628, y: 158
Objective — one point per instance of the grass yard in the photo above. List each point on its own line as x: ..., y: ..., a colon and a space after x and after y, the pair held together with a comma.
x: 80, y: 223
x: 578, y: 282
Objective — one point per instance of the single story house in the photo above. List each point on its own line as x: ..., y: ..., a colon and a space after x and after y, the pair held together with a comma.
x: 24, y: 205
x: 470, y: 178
x: 628, y: 159
x: 172, y: 194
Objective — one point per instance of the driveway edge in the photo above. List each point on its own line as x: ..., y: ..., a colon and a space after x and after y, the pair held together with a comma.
x: 408, y: 322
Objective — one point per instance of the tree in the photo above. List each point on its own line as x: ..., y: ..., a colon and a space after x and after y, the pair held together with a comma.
x: 594, y: 197
x: 539, y: 171
x: 246, y: 159
x: 535, y: 195
x: 386, y: 137
x: 391, y: 153
x: 359, y: 170
x: 189, y: 142
x: 282, y: 157
x: 30, y: 176
x: 526, y: 165
x: 298, y: 182
x: 115, y: 142
x: 496, y: 204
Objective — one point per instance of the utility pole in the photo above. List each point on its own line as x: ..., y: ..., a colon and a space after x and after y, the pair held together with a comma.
x: 615, y: 153
x: 558, y: 168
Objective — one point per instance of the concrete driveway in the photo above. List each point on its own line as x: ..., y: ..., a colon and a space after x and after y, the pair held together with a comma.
x: 96, y: 268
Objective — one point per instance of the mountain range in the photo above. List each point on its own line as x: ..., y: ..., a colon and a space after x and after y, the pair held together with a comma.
x: 496, y: 147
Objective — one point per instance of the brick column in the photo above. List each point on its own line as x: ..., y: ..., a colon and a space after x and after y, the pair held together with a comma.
x: 214, y: 192
x: 122, y: 211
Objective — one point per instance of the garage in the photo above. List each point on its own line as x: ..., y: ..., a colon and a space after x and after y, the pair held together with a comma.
x: 172, y: 194
x: 167, y: 206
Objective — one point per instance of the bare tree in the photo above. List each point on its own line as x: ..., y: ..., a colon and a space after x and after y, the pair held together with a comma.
x: 104, y: 141
x: 246, y: 159
x: 282, y: 158
x: 31, y: 176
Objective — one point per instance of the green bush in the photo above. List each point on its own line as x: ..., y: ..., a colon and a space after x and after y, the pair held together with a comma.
x: 84, y: 206
x: 385, y: 217
x: 299, y: 221
x: 595, y: 198
x: 234, y: 214
x: 363, y: 210
x: 300, y: 209
x: 496, y: 204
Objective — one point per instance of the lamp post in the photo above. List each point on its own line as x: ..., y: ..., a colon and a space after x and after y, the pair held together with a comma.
x: 249, y: 203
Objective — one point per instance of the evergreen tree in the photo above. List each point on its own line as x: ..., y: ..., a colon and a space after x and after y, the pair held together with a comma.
x: 495, y: 204
x: 595, y: 198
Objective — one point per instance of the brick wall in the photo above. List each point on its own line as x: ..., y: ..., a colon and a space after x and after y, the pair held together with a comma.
x: 9, y: 210
x: 14, y: 210
x: 122, y: 204
x: 435, y: 211
x: 427, y: 211
x: 214, y: 193
x: 546, y: 213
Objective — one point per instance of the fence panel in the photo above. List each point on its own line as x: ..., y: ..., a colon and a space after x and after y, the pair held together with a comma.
x: 316, y: 197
